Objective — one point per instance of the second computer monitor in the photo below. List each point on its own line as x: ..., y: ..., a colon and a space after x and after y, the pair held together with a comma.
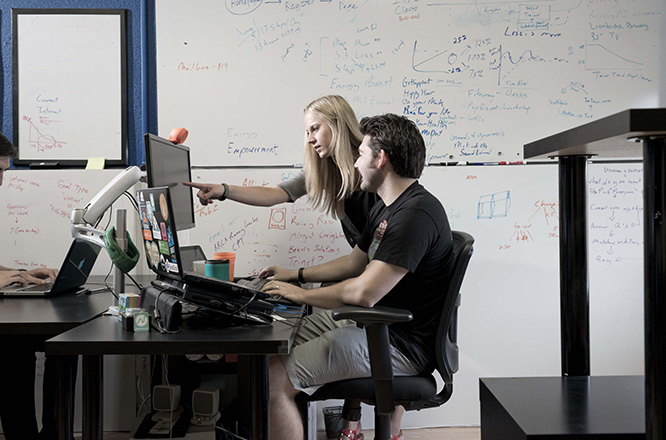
x: 168, y: 164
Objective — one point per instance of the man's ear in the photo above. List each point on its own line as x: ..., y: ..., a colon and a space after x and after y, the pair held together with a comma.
x: 382, y: 159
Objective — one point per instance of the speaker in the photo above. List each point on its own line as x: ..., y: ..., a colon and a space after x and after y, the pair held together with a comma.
x: 206, y: 401
x: 163, y: 307
x: 205, y: 405
x: 166, y: 397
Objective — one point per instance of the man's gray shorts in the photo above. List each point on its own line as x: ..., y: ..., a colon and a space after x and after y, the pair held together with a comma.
x: 327, y: 351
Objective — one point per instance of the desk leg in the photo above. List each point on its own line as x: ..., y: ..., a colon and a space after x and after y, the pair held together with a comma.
x: 574, y: 285
x: 254, y: 372
x: 93, y: 397
x: 654, y: 181
x: 65, y: 395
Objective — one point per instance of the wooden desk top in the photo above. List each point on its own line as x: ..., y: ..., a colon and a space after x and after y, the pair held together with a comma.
x: 607, y: 137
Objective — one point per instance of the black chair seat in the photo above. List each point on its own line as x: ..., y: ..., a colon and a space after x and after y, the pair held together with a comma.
x: 405, y: 388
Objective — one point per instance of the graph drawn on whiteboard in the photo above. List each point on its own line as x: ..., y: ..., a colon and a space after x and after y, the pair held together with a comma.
x: 39, y: 140
x: 494, y: 205
x: 599, y: 57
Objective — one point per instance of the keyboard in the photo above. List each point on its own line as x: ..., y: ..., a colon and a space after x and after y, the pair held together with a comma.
x: 255, y: 283
x: 37, y: 288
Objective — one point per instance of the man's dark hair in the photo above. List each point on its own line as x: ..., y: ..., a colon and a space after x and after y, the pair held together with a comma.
x: 400, y: 138
x: 7, y: 149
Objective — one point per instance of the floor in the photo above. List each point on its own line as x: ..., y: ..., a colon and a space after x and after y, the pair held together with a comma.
x: 409, y: 434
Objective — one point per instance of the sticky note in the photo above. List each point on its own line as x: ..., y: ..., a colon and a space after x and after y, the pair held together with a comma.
x: 95, y: 163
x: 127, y: 301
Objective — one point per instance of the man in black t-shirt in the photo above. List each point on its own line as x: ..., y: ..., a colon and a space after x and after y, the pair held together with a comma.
x: 401, y: 260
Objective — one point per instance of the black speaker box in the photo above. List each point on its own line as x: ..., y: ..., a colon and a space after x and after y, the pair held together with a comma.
x: 168, y: 306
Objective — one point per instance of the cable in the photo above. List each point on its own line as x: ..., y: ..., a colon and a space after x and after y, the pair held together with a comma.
x: 134, y: 281
x: 284, y: 308
x: 113, y: 292
x: 157, y: 321
x: 223, y: 429
x: 140, y: 391
x: 245, y: 306
x: 132, y: 200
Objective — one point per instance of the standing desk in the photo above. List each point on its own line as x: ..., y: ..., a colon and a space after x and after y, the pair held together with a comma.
x: 42, y: 318
x: 631, y: 133
x: 105, y: 335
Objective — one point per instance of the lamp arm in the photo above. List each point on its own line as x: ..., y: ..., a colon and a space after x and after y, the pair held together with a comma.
x: 83, y: 219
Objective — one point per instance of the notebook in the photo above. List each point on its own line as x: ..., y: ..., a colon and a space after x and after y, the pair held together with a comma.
x: 163, y: 256
x: 73, y: 273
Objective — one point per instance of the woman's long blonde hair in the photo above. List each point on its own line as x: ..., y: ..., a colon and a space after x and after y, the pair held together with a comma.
x: 331, y: 179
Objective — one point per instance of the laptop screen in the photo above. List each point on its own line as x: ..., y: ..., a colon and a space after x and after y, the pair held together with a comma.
x: 77, y: 266
x: 159, y: 232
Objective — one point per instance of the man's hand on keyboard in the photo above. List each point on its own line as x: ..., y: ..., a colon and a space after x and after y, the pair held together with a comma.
x: 8, y: 277
x: 278, y: 273
x: 40, y: 275
x: 285, y: 290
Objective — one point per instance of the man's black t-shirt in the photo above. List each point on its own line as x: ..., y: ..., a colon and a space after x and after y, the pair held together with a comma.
x: 413, y: 233
x: 357, y: 207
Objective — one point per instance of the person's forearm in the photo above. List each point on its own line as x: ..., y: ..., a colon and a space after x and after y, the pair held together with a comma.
x: 257, y: 195
x: 339, y: 269
x: 354, y: 291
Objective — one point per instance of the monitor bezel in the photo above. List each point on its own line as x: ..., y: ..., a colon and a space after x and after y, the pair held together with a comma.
x: 149, y: 138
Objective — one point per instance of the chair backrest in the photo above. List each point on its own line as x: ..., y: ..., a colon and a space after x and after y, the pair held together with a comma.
x: 446, y: 342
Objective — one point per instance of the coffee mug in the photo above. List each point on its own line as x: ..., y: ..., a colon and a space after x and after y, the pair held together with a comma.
x: 217, y: 269
x: 231, y: 256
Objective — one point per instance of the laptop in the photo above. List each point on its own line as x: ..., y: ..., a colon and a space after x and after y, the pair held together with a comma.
x: 190, y: 254
x: 163, y: 256
x: 73, y: 273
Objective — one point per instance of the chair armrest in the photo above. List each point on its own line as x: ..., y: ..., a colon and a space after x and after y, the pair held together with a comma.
x: 374, y: 315
x: 376, y: 321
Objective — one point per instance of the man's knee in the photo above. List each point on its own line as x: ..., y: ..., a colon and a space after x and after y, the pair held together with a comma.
x: 278, y: 378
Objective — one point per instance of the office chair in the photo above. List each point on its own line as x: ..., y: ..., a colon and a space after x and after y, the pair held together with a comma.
x: 412, y: 392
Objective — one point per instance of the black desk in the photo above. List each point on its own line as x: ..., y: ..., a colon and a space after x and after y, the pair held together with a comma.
x: 632, y: 133
x: 106, y: 336
x: 42, y: 318
x: 530, y: 408
x: 49, y: 316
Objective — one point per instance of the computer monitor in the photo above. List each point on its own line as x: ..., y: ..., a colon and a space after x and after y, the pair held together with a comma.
x: 168, y: 164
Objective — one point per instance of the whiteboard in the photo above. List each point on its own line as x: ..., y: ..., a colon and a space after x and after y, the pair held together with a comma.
x: 35, y: 221
x: 481, y: 79
x: 69, y: 85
